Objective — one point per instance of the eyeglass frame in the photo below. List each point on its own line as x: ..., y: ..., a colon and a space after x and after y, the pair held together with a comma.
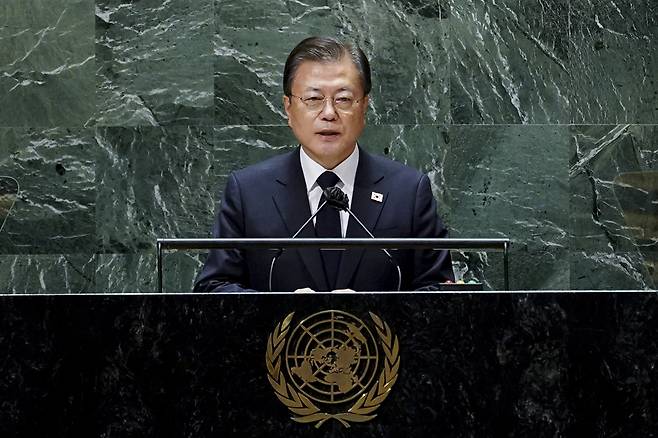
x: 324, y: 102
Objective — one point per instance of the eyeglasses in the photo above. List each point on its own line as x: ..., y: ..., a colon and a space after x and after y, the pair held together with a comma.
x: 316, y: 103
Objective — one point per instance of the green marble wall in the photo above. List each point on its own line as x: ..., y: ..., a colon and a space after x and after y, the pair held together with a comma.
x: 120, y: 120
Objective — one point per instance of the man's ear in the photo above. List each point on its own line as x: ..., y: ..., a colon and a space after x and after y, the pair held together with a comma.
x: 365, y: 104
x: 286, y: 107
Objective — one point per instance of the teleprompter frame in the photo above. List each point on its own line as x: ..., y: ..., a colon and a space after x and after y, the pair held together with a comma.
x: 487, y: 245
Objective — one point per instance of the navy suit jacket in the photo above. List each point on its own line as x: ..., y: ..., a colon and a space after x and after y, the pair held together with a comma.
x: 269, y: 199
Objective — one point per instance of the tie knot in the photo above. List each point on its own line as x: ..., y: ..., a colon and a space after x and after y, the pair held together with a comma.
x: 328, y: 179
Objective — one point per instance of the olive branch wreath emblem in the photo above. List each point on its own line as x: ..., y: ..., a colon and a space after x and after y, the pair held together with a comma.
x: 304, y: 409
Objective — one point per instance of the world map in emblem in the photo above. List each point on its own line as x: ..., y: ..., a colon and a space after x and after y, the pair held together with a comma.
x: 331, y: 357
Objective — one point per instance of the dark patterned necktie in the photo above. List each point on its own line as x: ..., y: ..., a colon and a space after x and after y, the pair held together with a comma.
x: 327, y: 224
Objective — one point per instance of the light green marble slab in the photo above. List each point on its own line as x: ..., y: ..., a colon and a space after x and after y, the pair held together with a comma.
x: 601, y: 270
x: 51, y: 273
x: 403, y: 42
x: 153, y: 182
x: 603, y: 231
x: 614, y: 61
x: 46, y: 63
x: 509, y: 61
x: 509, y: 181
x: 137, y: 272
x: 54, y: 211
x: 154, y: 63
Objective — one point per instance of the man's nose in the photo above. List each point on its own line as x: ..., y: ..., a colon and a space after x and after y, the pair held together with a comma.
x: 328, y: 111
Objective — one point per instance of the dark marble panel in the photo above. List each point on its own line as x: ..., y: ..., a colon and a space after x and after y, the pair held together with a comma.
x: 509, y: 61
x: 240, y: 146
x: 418, y: 146
x: 599, y: 155
x: 403, y: 40
x: 154, y: 62
x: 606, y: 270
x: 425, y: 147
x: 56, y: 273
x: 153, y: 182
x: 607, y: 217
x: 8, y: 194
x: 46, y: 62
x: 508, y: 181
x: 516, y: 365
x: 613, y: 60
x: 489, y: 182
x: 117, y: 273
x: 156, y: 182
x: 54, y: 173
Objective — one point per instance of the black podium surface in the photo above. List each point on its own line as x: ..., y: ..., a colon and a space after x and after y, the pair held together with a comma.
x: 195, y: 365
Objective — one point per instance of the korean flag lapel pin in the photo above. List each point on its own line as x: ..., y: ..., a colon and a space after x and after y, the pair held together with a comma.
x: 376, y: 196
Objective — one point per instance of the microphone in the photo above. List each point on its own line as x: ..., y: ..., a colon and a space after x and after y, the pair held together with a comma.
x: 338, y: 199
x: 280, y: 250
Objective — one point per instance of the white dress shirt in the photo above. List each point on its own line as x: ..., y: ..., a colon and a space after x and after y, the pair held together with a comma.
x: 346, y: 172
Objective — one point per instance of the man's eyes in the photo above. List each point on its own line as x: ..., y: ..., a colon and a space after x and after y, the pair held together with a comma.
x: 318, y: 99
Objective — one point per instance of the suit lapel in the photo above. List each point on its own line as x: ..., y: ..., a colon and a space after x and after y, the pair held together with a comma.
x: 366, y: 209
x: 291, y: 201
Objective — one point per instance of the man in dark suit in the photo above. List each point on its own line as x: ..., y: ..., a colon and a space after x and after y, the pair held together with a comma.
x: 326, y: 86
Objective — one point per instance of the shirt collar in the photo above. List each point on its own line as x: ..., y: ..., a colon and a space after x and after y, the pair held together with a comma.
x: 346, y: 170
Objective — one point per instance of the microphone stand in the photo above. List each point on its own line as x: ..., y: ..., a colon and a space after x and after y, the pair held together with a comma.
x: 337, y: 199
x: 390, y: 257
x: 280, y: 251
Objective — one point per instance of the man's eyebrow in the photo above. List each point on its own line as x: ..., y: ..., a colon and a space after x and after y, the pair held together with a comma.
x: 345, y: 88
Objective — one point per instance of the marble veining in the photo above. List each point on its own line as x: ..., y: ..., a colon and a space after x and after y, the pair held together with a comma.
x: 499, y: 181
x: 121, y: 120
x: 54, y: 211
x: 602, y: 211
x: 45, y: 273
x: 154, y: 63
x: 614, y: 54
x: 9, y: 190
x: 409, y: 71
x: 46, y: 63
x: 509, y: 61
x: 517, y: 365
x: 153, y: 182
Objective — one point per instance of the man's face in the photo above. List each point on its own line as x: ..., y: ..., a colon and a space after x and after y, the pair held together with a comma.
x: 327, y: 135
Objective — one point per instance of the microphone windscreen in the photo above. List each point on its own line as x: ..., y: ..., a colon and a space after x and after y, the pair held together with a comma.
x: 336, y: 198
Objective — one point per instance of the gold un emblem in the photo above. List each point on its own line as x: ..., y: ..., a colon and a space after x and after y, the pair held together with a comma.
x: 330, y: 366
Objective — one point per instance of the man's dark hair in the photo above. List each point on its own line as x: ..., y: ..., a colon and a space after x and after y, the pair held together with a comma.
x: 325, y: 49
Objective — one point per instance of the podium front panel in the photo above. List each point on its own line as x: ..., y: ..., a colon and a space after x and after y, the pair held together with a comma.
x: 339, y: 365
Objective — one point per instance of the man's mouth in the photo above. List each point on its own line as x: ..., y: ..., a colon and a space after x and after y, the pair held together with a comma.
x: 328, y: 134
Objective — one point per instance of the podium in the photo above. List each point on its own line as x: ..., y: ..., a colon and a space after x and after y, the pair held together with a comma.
x: 451, y: 364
